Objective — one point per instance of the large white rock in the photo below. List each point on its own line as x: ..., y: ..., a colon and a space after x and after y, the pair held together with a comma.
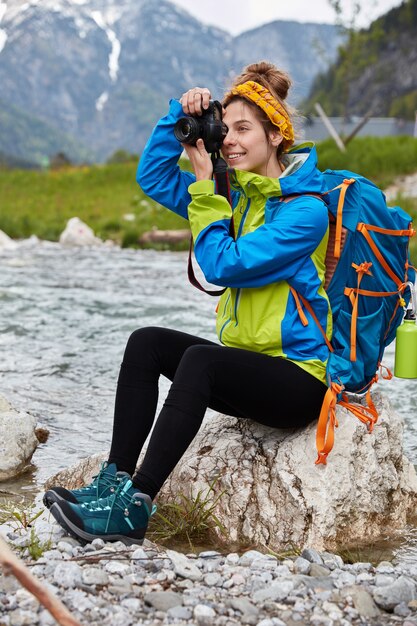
x: 77, y: 233
x: 277, y: 497
x: 18, y: 440
x: 6, y: 243
x: 79, y: 474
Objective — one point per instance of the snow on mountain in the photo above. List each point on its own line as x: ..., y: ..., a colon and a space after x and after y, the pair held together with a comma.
x: 103, y: 71
x: 3, y: 34
x: 101, y: 22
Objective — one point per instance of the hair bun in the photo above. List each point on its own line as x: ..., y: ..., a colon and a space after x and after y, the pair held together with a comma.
x: 269, y: 76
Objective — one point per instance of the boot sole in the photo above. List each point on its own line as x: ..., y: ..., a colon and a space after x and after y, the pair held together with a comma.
x: 83, y: 537
x: 50, y: 498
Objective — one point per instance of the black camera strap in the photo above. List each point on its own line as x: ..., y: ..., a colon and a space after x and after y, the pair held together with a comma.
x: 221, y: 178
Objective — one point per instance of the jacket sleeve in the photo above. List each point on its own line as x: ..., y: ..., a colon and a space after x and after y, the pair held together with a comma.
x: 275, y: 251
x: 158, y: 173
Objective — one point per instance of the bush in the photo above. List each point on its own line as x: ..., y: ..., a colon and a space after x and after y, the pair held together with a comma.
x: 130, y: 238
x: 122, y: 156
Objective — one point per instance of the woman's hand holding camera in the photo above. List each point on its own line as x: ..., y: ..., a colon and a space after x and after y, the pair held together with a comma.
x: 193, y: 102
x: 200, y: 160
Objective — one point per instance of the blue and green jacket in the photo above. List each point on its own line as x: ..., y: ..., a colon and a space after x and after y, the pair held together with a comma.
x: 277, y: 245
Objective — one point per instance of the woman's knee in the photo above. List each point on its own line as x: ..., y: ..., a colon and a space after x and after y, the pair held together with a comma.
x: 195, y: 362
x: 142, y: 340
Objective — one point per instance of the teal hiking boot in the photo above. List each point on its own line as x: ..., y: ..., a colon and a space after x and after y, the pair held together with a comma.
x: 122, y: 516
x: 104, y: 484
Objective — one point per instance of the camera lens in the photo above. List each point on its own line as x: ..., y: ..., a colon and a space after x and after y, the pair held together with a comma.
x: 186, y: 130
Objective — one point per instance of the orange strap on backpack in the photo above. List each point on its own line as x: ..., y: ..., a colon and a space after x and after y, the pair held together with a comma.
x: 338, y: 237
x: 365, y: 228
x: 328, y: 422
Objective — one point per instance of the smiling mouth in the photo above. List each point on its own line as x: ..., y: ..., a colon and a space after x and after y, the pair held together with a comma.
x: 235, y: 155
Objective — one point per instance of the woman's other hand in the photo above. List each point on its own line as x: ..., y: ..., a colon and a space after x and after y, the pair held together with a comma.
x: 200, y: 160
x: 195, y: 100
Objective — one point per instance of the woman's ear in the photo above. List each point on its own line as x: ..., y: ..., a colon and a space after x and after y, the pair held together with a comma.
x: 275, y: 138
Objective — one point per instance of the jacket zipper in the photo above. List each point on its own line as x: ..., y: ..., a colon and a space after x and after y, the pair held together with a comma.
x: 239, y: 233
x: 238, y: 292
x: 244, y: 216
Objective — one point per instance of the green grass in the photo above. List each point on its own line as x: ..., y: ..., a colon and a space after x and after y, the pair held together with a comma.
x: 20, y: 516
x: 41, y: 202
x: 410, y: 205
x: 187, y: 520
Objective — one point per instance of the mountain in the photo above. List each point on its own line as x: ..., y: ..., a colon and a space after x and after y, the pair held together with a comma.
x: 376, y: 72
x: 102, y: 71
x: 304, y: 50
x: 26, y: 138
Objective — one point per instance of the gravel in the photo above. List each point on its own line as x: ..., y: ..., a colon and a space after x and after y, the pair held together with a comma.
x: 110, y: 584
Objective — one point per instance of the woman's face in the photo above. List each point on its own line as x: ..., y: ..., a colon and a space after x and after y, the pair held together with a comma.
x: 246, y: 146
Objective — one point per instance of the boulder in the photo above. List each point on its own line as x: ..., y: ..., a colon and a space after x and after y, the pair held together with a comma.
x: 19, y: 438
x: 6, y: 243
x: 79, y: 474
x: 77, y: 233
x: 182, y: 235
x: 275, y: 496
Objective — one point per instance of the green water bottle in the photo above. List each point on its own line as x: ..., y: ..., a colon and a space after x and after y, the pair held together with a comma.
x: 406, y: 347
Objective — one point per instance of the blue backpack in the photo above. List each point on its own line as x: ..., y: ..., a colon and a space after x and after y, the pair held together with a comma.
x: 367, y: 280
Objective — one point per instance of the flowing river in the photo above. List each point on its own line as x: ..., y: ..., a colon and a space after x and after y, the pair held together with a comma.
x: 66, y: 315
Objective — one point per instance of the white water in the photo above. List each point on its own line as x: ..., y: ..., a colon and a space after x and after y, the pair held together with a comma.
x: 65, y: 317
x: 3, y: 34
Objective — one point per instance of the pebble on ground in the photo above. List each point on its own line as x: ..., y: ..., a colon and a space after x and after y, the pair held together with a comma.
x: 105, y: 584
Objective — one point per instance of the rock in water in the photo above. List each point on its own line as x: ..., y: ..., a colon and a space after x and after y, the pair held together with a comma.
x: 277, y: 496
x: 77, y: 233
x: 6, y: 243
x: 18, y: 440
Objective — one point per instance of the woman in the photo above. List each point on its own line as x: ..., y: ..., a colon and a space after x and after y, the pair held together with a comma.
x: 271, y: 366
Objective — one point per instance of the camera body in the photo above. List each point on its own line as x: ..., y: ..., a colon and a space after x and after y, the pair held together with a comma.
x: 208, y: 126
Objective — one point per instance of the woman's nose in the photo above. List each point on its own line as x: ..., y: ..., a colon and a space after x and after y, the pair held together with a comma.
x: 230, y: 138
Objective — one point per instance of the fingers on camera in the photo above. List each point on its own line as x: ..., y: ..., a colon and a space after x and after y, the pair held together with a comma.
x: 194, y: 101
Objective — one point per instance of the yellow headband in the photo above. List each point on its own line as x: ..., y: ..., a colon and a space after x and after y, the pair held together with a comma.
x: 270, y: 105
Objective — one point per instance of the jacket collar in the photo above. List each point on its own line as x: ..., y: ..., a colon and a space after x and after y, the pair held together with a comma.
x: 300, y: 175
x: 254, y: 184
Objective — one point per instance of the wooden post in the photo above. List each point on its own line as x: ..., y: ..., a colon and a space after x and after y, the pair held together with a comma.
x: 12, y: 565
x: 357, y: 128
x: 330, y: 127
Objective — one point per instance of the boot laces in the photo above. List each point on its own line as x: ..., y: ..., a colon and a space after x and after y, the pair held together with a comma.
x: 106, y: 479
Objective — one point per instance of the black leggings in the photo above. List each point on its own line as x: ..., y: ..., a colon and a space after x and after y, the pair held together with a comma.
x: 241, y: 383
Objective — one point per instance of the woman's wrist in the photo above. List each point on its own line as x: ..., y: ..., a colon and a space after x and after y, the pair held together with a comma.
x: 203, y: 176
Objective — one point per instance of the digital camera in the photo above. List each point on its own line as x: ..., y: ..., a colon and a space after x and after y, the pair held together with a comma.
x: 209, y: 127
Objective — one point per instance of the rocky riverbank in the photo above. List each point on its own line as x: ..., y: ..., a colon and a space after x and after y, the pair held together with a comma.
x: 404, y: 185
x: 111, y: 584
